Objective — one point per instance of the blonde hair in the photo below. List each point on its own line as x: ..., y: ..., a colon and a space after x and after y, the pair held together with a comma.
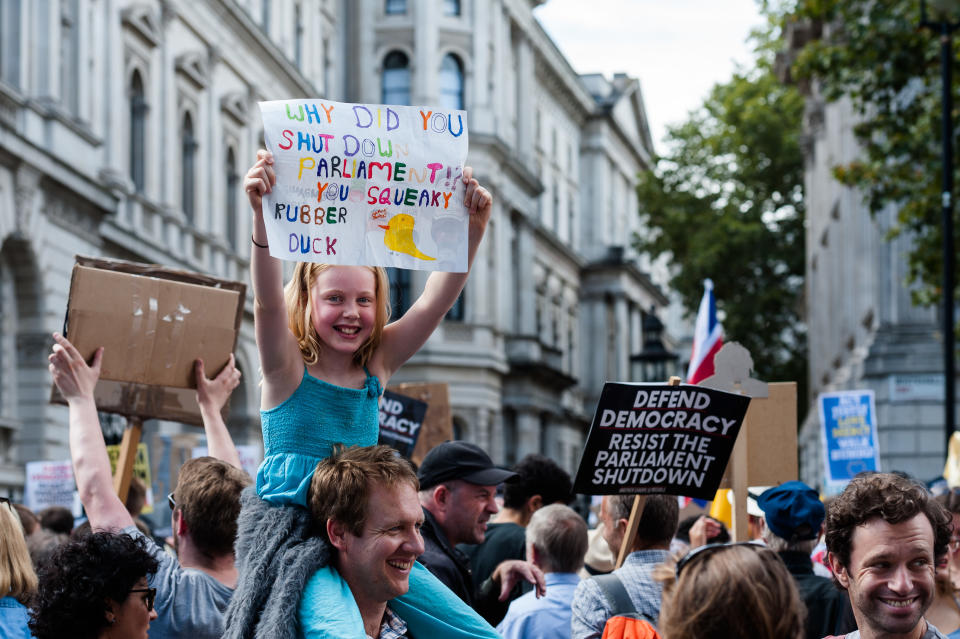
x: 714, y: 589
x: 17, y: 577
x: 298, y: 293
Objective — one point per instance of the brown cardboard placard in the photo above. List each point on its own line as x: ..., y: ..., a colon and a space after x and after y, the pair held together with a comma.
x: 766, y: 450
x: 769, y: 435
x: 437, y: 424
x: 154, y: 322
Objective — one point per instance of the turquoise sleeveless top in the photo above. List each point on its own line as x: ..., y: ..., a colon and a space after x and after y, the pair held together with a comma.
x: 297, y: 434
x: 302, y: 430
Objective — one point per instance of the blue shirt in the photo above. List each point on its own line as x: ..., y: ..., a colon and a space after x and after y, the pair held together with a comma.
x: 547, y: 617
x: 189, y: 603
x: 13, y: 619
x: 591, y: 608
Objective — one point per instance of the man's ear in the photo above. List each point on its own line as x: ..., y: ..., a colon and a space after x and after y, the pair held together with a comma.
x: 839, y: 570
x: 534, y: 504
x: 179, y: 523
x: 534, y: 556
x: 337, y: 532
x: 441, y: 496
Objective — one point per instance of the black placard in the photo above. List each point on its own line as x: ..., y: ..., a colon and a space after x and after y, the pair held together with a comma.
x: 400, y: 420
x: 659, y: 439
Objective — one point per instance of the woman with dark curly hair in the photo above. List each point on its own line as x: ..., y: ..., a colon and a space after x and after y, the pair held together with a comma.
x: 95, y: 587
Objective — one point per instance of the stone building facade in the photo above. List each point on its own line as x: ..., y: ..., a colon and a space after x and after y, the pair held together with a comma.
x: 126, y: 127
x: 864, y: 332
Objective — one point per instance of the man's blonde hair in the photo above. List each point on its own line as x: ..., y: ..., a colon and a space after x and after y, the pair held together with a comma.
x: 341, y: 484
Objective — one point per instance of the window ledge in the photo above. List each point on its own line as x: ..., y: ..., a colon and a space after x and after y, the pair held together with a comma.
x: 50, y: 109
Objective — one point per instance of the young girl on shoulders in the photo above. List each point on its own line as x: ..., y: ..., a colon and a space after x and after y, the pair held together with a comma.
x: 326, y: 353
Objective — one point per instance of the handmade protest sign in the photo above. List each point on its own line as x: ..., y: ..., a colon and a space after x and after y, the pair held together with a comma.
x: 400, y: 420
x: 654, y: 439
x: 849, y: 435
x: 50, y: 483
x: 366, y: 184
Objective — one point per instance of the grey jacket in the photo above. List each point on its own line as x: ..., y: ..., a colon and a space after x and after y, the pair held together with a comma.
x: 276, y: 555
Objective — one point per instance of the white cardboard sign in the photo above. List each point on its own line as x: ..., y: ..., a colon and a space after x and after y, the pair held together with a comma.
x: 366, y: 184
x: 50, y: 483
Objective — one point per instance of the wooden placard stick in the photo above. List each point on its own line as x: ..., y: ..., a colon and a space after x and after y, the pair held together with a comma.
x: 636, y: 512
x: 128, y: 455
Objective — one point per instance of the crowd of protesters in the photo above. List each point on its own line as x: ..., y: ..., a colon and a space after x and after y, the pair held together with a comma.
x: 891, y: 547
x: 339, y: 537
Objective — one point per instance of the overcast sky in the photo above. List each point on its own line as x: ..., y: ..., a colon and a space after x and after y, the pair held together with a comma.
x: 677, y: 48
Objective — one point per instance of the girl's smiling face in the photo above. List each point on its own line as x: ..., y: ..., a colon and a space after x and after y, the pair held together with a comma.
x: 343, y: 307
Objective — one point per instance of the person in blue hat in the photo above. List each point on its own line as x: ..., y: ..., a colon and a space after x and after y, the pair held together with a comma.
x: 793, y: 522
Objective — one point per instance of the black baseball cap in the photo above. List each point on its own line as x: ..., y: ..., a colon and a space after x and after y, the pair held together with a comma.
x: 460, y: 460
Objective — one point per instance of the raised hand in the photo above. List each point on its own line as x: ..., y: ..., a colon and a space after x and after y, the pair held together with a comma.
x: 72, y: 375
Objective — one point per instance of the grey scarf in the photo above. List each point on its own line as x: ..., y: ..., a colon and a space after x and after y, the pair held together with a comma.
x: 276, y: 555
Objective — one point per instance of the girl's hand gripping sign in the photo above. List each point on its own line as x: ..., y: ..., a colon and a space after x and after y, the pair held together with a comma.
x: 366, y: 184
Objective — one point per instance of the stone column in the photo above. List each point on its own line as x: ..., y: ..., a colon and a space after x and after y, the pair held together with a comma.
x: 425, y: 55
x: 622, y: 323
x: 525, y: 102
x: 526, y: 293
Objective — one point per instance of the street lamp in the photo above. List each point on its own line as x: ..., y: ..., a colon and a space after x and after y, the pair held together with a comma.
x: 945, y: 18
x: 652, y: 361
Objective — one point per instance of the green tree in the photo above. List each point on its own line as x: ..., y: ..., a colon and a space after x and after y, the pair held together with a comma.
x: 726, y: 202
x: 874, y: 53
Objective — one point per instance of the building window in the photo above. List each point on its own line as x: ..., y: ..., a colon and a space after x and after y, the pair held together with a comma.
x: 233, y: 183
x: 70, y: 56
x: 10, y: 42
x: 456, y: 312
x: 400, y: 294
x: 138, y: 133
x: 327, y: 69
x: 298, y: 35
x: 265, y: 16
x: 188, y: 168
x: 451, y: 82
x: 451, y: 7
x: 395, y: 7
x: 556, y: 208
x: 396, y: 78
x: 459, y: 428
x: 510, y: 439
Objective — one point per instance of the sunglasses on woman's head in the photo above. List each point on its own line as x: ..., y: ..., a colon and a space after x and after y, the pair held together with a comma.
x: 702, y: 551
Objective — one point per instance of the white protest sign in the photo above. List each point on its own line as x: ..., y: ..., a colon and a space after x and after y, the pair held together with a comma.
x: 366, y: 184
x: 49, y: 483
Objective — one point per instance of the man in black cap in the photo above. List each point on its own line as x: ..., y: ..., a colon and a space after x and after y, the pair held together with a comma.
x: 458, y: 484
x: 793, y: 521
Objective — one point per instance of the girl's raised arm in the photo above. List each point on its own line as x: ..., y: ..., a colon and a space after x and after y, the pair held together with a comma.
x: 404, y: 337
x: 280, y: 357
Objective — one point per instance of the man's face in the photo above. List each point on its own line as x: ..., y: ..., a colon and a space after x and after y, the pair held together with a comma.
x: 890, y: 578
x: 377, y: 563
x: 470, y: 507
x: 611, y: 533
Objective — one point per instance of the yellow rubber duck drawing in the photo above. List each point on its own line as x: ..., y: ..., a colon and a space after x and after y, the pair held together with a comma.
x: 399, y: 236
